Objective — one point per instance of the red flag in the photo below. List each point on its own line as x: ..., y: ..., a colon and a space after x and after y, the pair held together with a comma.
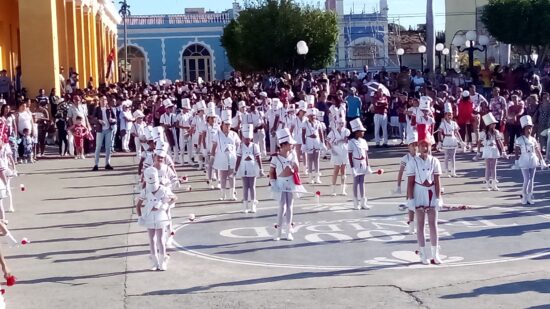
x: 110, y: 60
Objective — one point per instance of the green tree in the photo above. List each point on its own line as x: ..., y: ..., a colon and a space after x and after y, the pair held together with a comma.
x: 265, y: 34
x: 523, y: 23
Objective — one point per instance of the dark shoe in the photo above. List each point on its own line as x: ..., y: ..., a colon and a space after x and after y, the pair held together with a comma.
x: 109, y: 167
x: 95, y: 168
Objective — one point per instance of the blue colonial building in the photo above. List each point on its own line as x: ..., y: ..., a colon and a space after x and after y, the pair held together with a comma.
x: 187, y: 46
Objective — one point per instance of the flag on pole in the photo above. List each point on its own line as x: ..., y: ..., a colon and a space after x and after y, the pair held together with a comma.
x: 110, y: 60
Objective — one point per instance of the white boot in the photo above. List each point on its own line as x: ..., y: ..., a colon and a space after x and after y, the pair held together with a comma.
x: 245, y: 204
x: 344, y: 193
x: 494, y: 185
x: 233, y: 196
x: 154, y: 262
x: 356, y: 204
x: 364, y: 203
x: 333, y: 189
x: 530, y: 199
x: 423, y: 254
x: 223, y: 197
x: 318, y: 178
x: 311, y: 180
x: 453, y: 173
x: 524, y: 198
x: 412, y: 227
x: 163, y: 261
x: 254, y: 206
x: 170, y: 242
x: 289, y: 236
x: 435, y: 255
x: 488, y: 185
x: 278, y: 234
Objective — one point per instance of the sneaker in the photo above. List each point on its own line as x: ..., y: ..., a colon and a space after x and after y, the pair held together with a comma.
x: 109, y: 167
x: 95, y: 168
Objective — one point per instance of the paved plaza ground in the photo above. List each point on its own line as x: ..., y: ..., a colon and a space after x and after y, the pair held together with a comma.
x: 87, y: 251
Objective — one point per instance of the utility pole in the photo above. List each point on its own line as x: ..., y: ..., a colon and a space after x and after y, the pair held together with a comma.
x: 125, y: 11
x: 430, y: 35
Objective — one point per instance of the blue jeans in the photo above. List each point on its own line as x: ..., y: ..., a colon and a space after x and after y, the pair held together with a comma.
x: 104, y: 136
x: 114, y: 129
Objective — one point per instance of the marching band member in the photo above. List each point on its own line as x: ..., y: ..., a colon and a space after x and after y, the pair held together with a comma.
x: 425, y: 119
x: 211, y: 135
x: 248, y: 167
x: 449, y: 134
x: 313, y: 139
x: 297, y: 130
x: 338, y: 142
x: 412, y: 144
x: 149, y: 152
x: 493, y: 148
x: 198, y: 126
x: 168, y: 121
x: 224, y: 150
x: 138, y: 132
x: 424, y: 197
x: 359, y: 160
x: 273, y: 117
x: 237, y: 119
x: 528, y: 157
x: 7, y: 171
x: 336, y: 112
x: 284, y: 182
x: 256, y: 118
x: 151, y: 207
x: 184, y: 125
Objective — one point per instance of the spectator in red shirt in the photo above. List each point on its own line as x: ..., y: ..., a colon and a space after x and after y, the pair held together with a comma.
x: 464, y: 117
x: 380, y: 102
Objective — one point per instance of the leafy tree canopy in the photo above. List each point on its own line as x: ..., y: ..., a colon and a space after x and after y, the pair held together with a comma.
x: 524, y: 23
x: 265, y: 34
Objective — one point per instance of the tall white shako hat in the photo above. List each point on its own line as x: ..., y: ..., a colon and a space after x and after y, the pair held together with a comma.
x: 310, y: 99
x: 147, y: 131
x: 247, y: 130
x: 276, y: 103
x: 448, y: 108
x: 291, y: 108
x: 302, y: 106
x: 161, y: 146
x: 320, y: 114
x: 412, y: 137
x: 312, y: 112
x: 241, y: 104
x: 227, y: 102
x: 138, y: 114
x: 526, y: 121
x: 158, y: 133
x: 284, y: 136
x: 357, y: 125
x: 167, y: 103
x: 226, y: 116
x: 151, y: 178
x: 186, y: 103
x: 200, y: 106
x: 425, y: 103
x: 211, y: 112
x: 489, y: 119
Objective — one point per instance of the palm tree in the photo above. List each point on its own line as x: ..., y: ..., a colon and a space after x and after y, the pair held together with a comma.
x: 125, y: 12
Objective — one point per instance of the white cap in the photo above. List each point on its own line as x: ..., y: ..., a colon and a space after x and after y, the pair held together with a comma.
x: 284, y: 136
x: 465, y: 93
x: 226, y: 116
x: 138, y: 114
x: 526, y: 121
x: 412, y: 137
x: 448, y: 108
x: 186, y: 103
x: 247, y: 130
x: 263, y: 94
x: 276, y: 103
x: 147, y: 133
x: 211, y: 112
x: 302, y: 106
x: 227, y: 102
x: 425, y: 103
x: 167, y: 103
x: 310, y: 99
x: 200, y: 106
x: 158, y: 133
x: 211, y: 105
x: 357, y: 125
x: 489, y: 119
x: 151, y: 178
x: 242, y: 104
x: 312, y: 112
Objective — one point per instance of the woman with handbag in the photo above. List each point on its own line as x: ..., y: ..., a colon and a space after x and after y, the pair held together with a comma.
x: 338, y: 142
x: 284, y: 182
x: 359, y: 161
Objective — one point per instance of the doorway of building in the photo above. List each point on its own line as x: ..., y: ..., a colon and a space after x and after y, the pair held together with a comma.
x: 197, y: 62
x: 136, y: 64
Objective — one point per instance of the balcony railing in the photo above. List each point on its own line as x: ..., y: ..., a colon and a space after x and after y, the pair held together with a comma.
x: 209, y: 18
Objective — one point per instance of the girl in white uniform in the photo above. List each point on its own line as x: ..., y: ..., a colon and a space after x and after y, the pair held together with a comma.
x: 198, y: 126
x: 338, y: 142
x: 313, y: 139
x: 448, y: 133
x: 184, y: 125
x: 224, y: 150
x: 7, y: 171
x: 248, y: 166
x: 138, y: 132
x: 528, y: 157
x: 412, y: 142
x: 211, y: 135
x: 492, y: 150
x: 284, y: 181
x: 359, y: 161
x: 424, y: 197
x: 297, y: 129
x: 148, y: 154
x: 151, y: 207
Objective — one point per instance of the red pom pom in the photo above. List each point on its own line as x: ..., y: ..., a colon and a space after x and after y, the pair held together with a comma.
x: 380, y: 171
x: 22, y: 186
x: 3, y: 291
x: 172, y: 233
x: 184, y: 178
x: 318, y: 193
x: 10, y: 281
x: 24, y: 241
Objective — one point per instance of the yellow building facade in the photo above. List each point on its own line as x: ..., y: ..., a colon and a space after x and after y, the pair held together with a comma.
x: 41, y: 36
x: 462, y: 15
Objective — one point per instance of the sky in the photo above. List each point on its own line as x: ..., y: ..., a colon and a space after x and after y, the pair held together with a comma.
x: 406, y: 12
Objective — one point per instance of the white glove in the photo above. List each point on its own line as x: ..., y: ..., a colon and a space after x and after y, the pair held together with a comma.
x: 273, y: 184
x: 438, y: 202
x: 504, y: 156
x: 141, y: 221
x: 543, y: 165
x: 411, y: 204
x: 369, y: 170
x: 11, y: 240
x: 176, y: 184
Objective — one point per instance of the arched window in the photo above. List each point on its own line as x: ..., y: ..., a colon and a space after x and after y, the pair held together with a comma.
x: 197, y: 62
x: 136, y: 63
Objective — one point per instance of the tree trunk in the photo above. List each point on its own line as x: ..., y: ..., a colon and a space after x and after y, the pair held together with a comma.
x: 430, y: 35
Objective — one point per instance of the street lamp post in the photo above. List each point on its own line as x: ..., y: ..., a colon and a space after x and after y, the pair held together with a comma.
x: 125, y: 12
x: 469, y: 43
x: 400, y: 53
x: 445, y: 53
x: 422, y: 50
x: 439, y: 48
